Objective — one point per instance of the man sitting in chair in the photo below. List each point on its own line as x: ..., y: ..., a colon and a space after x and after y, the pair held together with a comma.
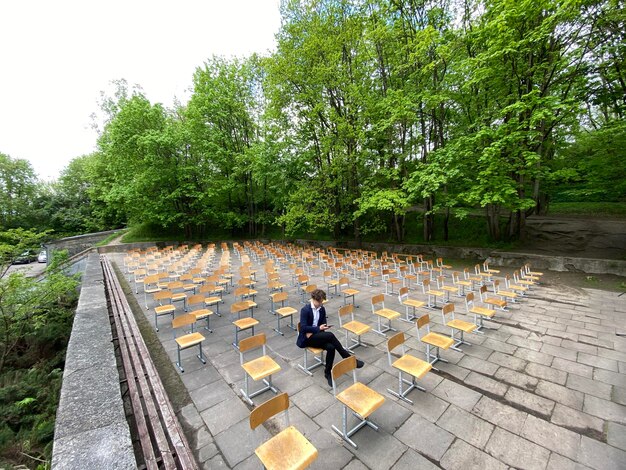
x: 314, y: 332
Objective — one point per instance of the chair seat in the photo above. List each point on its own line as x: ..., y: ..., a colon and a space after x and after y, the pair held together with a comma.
x: 413, y: 303
x: 494, y: 301
x: 507, y: 293
x: 186, y: 341
x: 202, y: 313
x: 315, y: 350
x: 437, y: 340
x: 361, y: 399
x: 350, y: 291
x: 464, y: 283
x: 251, y: 304
x: 356, y: 327
x: 286, y: 311
x: 261, y: 367
x: 179, y: 297
x: 387, y: 313
x: 245, y: 323
x: 164, y: 309
x: 287, y: 450
x: 449, y: 288
x: 485, y: 312
x: 395, y: 280
x: 412, y: 366
x: 467, y: 327
x: 437, y: 293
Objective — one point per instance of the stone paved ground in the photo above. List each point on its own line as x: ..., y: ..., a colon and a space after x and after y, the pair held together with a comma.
x: 545, y: 388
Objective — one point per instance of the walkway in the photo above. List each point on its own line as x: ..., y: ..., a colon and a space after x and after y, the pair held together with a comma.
x: 545, y: 389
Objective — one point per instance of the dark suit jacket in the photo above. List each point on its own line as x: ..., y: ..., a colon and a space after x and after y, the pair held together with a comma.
x: 306, y: 323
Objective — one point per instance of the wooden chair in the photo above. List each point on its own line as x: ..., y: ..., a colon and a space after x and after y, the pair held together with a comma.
x: 352, y: 326
x: 188, y: 340
x: 138, y: 276
x: 441, y: 286
x: 261, y: 368
x: 461, y: 284
x: 533, y: 274
x: 496, y: 302
x: 404, y: 299
x: 210, y: 299
x: 306, y: 293
x: 406, y: 275
x: 521, y: 281
x: 283, y: 311
x: 200, y: 313
x: 432, y: 340
x: 520, y: 290
x: 330, y: 282
x: 162, y: 308
x: 242, y: 324
x: 480, y: 313
x: 287, y: 450
x: 379, y: 310
x: 488, y: 270
x: 150, y: 286
x: 458, y: 327
x: 245, y: 294
x: 388, y: 280
x: 359, y: 398
x: 432, y: 294
x: 188, y: 284
x: 408, y: 364
x: 441, y: 265
x: 471, y: 278
x: 178, y: 292
x: 507, y: 295
x: 485, y: 277
x: 318, y: 357
x: 347, y: 291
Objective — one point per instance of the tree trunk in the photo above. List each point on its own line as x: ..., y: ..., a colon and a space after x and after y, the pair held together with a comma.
x: 429, y: 219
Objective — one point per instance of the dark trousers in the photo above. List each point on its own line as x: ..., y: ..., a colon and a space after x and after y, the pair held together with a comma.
x: 328, y: 342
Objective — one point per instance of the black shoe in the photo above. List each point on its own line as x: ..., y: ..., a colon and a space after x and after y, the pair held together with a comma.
x: 359, y: 363
x: 329, y: 378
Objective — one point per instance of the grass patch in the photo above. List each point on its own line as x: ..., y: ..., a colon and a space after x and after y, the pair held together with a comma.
x: 589, y: 209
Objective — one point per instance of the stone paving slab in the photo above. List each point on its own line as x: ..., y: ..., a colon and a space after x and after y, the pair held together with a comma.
x: 544, y: 389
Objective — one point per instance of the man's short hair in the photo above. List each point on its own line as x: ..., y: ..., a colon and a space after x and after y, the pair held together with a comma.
x: 319, y: 295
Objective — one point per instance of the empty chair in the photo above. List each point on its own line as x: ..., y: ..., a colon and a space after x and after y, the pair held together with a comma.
x: 287, y: 450
x: 318, y: 358
x: 432, y: 340
x: 480, y: 313
x: 458, y: 327
x: 441, y: 265
x: 486, y: 299
x: 441, y: 286
x: 188, y: 340
x: 260, y: 368
x: 210, y: 299
x: 347, y: 291
x: 507, y: 295
x: 405, y: 300
x: 282, y: 311
x: 138, y: 277
x: 488, y: 270
x: 520, y: 290
x: 471, y: 278
x: 406, y: 275
x: 201, y: 313
x: 178, y: 292
x: 407, y: 364
x: 245, y: 294
x: 242, y: 324
x: 534, y: 274
x: 432, y: 294
x: 164, y: 307
x: 461, y: 284
x: 330, y: 282
x: 389, y: 280
x: 379, y: 310
x: 150, y: 286
x: 357, y: 397
x: 352, y: 326
x: 521, y: 281
x: 484, y: 276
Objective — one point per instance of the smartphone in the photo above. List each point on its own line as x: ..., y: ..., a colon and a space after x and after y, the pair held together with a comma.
x: 329, y: 326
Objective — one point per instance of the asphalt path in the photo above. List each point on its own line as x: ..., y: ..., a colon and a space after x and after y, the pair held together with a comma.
x: 29, y: 270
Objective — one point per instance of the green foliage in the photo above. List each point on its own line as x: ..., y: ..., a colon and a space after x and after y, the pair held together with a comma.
x: 35, y: 322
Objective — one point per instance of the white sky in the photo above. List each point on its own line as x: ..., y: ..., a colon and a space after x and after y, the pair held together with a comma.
x: 57, y: 56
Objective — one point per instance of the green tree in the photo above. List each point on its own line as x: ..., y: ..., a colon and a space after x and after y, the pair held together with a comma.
x: 18, y: 186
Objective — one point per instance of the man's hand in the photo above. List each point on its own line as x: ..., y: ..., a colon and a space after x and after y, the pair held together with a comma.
x: 324, y: 327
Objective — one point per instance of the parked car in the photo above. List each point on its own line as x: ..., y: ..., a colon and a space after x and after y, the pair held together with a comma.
x: 43, y: 256
x: 27, y: 257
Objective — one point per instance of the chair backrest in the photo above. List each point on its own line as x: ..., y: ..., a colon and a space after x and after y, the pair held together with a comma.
x: 303, y: 279
x: 239, y: 307
x: 421, y: 322
x: 174, y: 285
x: 425, y: 284
x: 183, y: 320
x: 483, y: 290
x: 195, y: 300
x: 496, y: 285
x: 469, y: 300
x: 346, y: 310
x: 441, y: 281
x: 403, y: 294
x: 343, y: 367
x: 162, y: 295
x: 310, y: 288
x: 447, y: 310
x: 241, y: 291
x: 344, y: 281
x: 477, y: 268
x: 279, y: 297
x: 393, y: 343
x: 266, y: 410
x: 378, y: 301
x: 252, y: 342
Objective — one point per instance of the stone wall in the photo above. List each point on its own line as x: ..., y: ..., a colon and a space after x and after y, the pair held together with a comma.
x: 91, y: 430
